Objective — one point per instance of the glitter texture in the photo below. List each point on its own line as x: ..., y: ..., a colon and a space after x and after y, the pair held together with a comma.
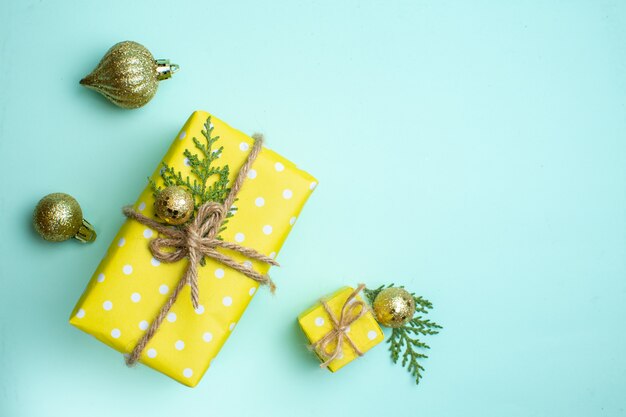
x: 57, y: 217
x: 126, y: 75
x: 394, y: 307
x: 174, y: 205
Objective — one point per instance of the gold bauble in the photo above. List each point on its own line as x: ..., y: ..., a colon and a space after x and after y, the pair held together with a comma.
x: 58, y: 217
x: 128, y: 75
x: 174, y: 205
x: 394, y: 307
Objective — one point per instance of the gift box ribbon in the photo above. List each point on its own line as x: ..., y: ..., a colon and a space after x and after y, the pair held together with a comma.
x: 350, y: 313
x: 195, y: 241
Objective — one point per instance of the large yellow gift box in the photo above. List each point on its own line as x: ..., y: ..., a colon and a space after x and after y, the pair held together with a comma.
x: 365, y: 332
x: 129, y: 286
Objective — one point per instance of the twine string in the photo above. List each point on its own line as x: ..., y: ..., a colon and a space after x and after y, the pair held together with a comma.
x: 197, y: 240
x: 351, y: 311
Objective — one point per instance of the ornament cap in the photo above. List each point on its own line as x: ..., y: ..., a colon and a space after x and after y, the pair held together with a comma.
x: 86, y: 233
x: 165, y: 70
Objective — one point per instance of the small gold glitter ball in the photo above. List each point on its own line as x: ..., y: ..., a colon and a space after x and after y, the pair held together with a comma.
x: 128, y: 75
x: 394, y: 307
x: 174, y: 205
x: 58, y: 217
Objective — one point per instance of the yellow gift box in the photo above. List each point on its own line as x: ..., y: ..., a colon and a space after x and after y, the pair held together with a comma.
x: 129, y: 286
x: 365, y: 332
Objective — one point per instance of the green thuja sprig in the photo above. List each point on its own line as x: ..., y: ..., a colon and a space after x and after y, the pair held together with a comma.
x: 210, y: 182
x: 407, y: 337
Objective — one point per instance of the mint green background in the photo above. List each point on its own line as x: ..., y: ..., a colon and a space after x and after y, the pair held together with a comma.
x: 472, y: 151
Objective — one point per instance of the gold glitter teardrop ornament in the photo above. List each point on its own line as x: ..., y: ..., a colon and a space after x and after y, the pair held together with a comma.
x: 128, y: 75
x: 394, y: 307
x: 174, y: 205
x: 58, y: 217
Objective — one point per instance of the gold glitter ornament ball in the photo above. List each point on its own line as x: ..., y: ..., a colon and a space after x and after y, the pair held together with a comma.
x: 58, y: 217
x: 128, y: 75
x: 394, y: 307
x: 174, y: 205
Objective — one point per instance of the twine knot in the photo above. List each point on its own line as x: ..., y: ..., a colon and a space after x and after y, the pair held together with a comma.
x: 195, y: 241
x: 191, y: 239
x: 351, y: 311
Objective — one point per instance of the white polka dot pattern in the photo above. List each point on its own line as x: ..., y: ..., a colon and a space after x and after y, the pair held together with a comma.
x: 364, y: 332
x: 130, y: 285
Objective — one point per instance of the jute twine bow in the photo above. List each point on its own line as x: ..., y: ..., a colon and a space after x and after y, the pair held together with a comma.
x: 351, y: 311
x: 195, y: 241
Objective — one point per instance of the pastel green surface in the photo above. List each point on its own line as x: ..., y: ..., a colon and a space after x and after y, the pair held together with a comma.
x: 483, y: 143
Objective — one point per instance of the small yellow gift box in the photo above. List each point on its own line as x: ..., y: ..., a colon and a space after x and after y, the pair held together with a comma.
x: 316, y: 324
x: 129, y: 286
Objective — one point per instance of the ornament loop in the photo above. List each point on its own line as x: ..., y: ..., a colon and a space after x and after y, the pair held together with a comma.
x: 165, y: 70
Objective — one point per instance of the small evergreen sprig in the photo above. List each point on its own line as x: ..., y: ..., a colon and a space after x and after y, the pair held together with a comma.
x: 407, y: 336
x: 210, y: 182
